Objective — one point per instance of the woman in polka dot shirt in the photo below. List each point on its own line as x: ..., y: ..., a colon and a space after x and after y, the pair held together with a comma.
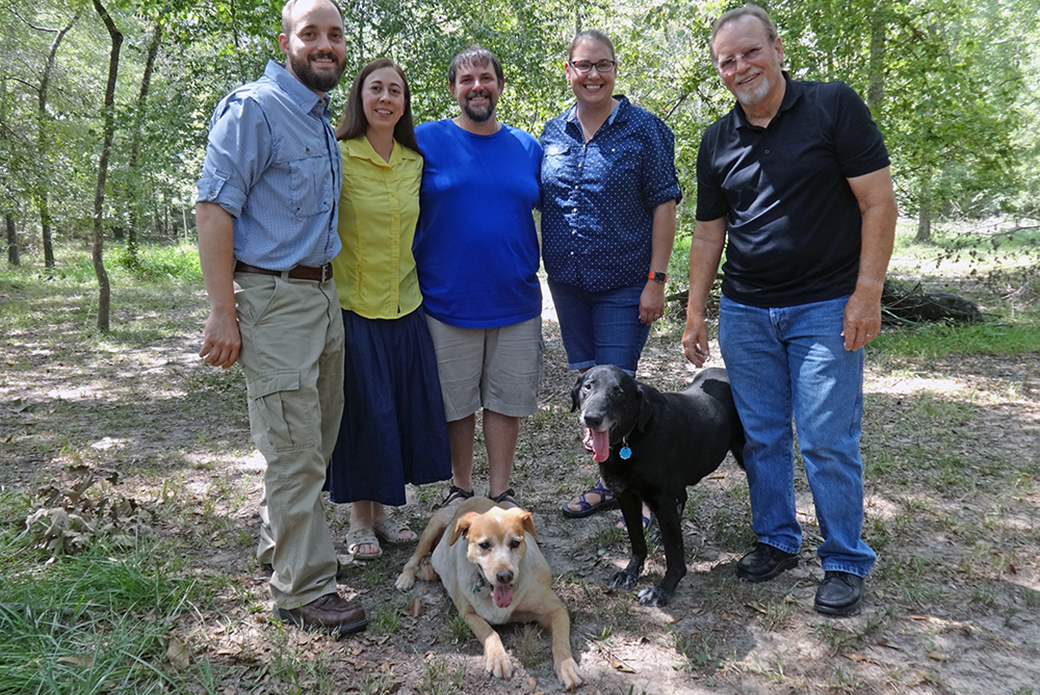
x: 609, y: 192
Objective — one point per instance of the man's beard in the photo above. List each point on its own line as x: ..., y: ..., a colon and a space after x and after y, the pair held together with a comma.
x: 482, y: 115
x: 311, y: 78
x: 753, y: 95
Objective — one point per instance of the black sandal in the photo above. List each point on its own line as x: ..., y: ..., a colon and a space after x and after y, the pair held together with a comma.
x: 506, y: 497
x: 455, y: 494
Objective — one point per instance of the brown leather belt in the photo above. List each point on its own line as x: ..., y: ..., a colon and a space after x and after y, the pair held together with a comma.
x: 300, y: 272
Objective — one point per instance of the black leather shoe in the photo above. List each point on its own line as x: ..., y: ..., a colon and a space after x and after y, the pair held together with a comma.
x: 840, y: 593
x: 329, y: 612
x: 765, y: 562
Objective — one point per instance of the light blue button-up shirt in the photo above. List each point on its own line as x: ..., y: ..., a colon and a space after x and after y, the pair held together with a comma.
x: 273, y: 163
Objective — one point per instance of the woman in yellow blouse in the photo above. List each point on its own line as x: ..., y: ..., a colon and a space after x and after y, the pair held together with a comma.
x: 393, y: 430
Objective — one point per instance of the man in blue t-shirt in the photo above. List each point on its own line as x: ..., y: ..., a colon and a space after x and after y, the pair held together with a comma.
x: 797, y: 178
x: 476, y: 250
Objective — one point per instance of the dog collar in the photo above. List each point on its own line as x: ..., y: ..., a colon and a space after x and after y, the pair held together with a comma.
x: 481, y: 583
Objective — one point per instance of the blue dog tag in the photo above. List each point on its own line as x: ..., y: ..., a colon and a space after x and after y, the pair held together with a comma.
x: 625, y: 453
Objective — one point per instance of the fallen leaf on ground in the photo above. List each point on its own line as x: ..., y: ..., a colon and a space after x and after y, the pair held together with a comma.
x: 84, y: 661
x: 619, y: 665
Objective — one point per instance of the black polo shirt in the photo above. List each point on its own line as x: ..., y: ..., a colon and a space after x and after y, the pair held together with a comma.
x: 792, y: 221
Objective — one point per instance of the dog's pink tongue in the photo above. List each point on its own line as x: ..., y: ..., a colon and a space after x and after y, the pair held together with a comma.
x: 600, y: 446
x: 503, y: 595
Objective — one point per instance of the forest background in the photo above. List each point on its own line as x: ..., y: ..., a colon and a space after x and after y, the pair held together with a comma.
x: 128, y: 481
x: 104, y: 106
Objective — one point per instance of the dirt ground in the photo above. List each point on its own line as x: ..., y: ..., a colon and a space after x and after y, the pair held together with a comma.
x: 952, y: 448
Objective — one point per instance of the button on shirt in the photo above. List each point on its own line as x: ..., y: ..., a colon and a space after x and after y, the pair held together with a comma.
x: 599, y: 197
x: 792, y: 220
x: 272, y: 162
x: 379, y: 206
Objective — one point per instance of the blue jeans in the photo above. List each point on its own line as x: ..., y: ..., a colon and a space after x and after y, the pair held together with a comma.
x: 600, y: 327
x: 791, y: 362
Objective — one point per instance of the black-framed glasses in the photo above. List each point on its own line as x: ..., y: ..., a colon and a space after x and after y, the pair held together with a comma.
x: 584, y: 67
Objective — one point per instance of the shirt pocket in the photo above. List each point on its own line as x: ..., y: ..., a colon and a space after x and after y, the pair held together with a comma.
x: 309, y: 179
x: 560, y: 165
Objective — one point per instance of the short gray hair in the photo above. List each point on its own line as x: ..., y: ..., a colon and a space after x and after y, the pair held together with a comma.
x: 748, y: 10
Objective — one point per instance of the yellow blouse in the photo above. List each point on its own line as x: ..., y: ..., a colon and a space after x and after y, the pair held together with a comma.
x: 378, y: 208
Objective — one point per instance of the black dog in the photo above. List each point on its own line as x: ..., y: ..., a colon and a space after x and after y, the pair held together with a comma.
x: 650, y: 446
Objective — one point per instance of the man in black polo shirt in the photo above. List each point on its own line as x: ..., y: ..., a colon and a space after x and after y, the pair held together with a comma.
x: 797, y: 178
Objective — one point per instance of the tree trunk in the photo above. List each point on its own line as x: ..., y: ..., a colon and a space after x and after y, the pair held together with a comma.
x: 12, y: 240
x: 924, y: 210
x: 876, y: 85
x: 43, y: 145
x: 135, y: 144
x: 104, y: 289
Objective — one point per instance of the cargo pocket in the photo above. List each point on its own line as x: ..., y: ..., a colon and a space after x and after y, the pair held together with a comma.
x: 278, y: 421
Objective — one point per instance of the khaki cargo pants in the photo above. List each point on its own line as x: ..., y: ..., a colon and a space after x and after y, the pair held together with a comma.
x: 292, y: 356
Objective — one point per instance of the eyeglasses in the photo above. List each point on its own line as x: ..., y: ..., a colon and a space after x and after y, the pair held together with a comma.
x: 728, y: 65
x: 584, y: 67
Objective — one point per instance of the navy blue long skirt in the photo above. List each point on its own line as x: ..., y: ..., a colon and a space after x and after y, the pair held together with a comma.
x: 394, y: 430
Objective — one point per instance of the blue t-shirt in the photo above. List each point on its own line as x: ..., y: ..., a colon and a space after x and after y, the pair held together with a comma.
x: 273, y: 163
x: 599, y: 197
x: 792, y: 220
x: 475, y: 247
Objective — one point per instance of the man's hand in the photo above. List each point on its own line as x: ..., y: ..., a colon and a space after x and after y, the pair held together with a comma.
x: 862, y: 321
x: 221, y: 341
x: 695, y: 340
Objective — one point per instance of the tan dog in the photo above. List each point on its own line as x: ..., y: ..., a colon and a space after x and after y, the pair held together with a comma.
x: 498, y: 576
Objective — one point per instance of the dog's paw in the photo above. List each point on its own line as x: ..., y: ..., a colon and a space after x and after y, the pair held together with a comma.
x: 405, y: 580
x: 624, y: 580
x: 569, y: 675
x: 652, y: 596
x: 497, y: 663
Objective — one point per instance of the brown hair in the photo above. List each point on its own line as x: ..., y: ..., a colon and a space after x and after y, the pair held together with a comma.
x: 591, y: 35
x: 475, y: 55
x: 354, y: 123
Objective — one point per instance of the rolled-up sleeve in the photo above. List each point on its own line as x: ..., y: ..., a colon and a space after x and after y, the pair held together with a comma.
x: 238, y: 150
x: 660, y: 182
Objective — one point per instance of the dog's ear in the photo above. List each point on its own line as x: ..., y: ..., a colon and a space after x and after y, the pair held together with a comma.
x: 645, y: 411
x: 527, y: 521
x: 462, y: 527
x: 575, y: 390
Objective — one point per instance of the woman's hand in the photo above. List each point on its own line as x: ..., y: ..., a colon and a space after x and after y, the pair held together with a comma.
x: 651, y: 302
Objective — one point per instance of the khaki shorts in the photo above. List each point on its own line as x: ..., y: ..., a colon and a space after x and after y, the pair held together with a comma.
x: 495, y: 368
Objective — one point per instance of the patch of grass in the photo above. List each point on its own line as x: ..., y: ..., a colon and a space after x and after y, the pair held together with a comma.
x: 91, y: 622
x: 387, y: 619
x: 437, y: 681
x: 937, y: 340
x: 457, y: 630
x: 697, y: 653
x: 177, y: 262
x: 528, y: 648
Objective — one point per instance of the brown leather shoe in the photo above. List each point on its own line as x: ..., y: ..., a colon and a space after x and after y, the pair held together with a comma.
x: 330, y: 612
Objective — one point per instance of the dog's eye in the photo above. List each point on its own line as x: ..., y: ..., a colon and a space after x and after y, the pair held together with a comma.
x: 514, y: 544
x: 484, y: 545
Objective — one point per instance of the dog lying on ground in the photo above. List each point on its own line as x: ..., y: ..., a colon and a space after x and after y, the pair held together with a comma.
x: 650, y: 446
x: 498, y: 575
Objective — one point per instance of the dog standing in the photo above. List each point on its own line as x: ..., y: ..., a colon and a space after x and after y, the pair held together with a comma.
x: 650, y: 446
x: 497, y: 576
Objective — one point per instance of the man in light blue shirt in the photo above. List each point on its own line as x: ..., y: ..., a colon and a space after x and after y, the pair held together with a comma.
x: 267, y: 233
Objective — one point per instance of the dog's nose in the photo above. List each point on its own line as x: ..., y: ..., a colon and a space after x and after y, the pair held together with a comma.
x: 504, y: 576
x: 591, y: 421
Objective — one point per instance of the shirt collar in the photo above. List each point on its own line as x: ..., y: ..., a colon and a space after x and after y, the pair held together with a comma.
x: 620, y: 103
x: 361, y: 148
x: 792, y: 93
x: 304, y: 97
